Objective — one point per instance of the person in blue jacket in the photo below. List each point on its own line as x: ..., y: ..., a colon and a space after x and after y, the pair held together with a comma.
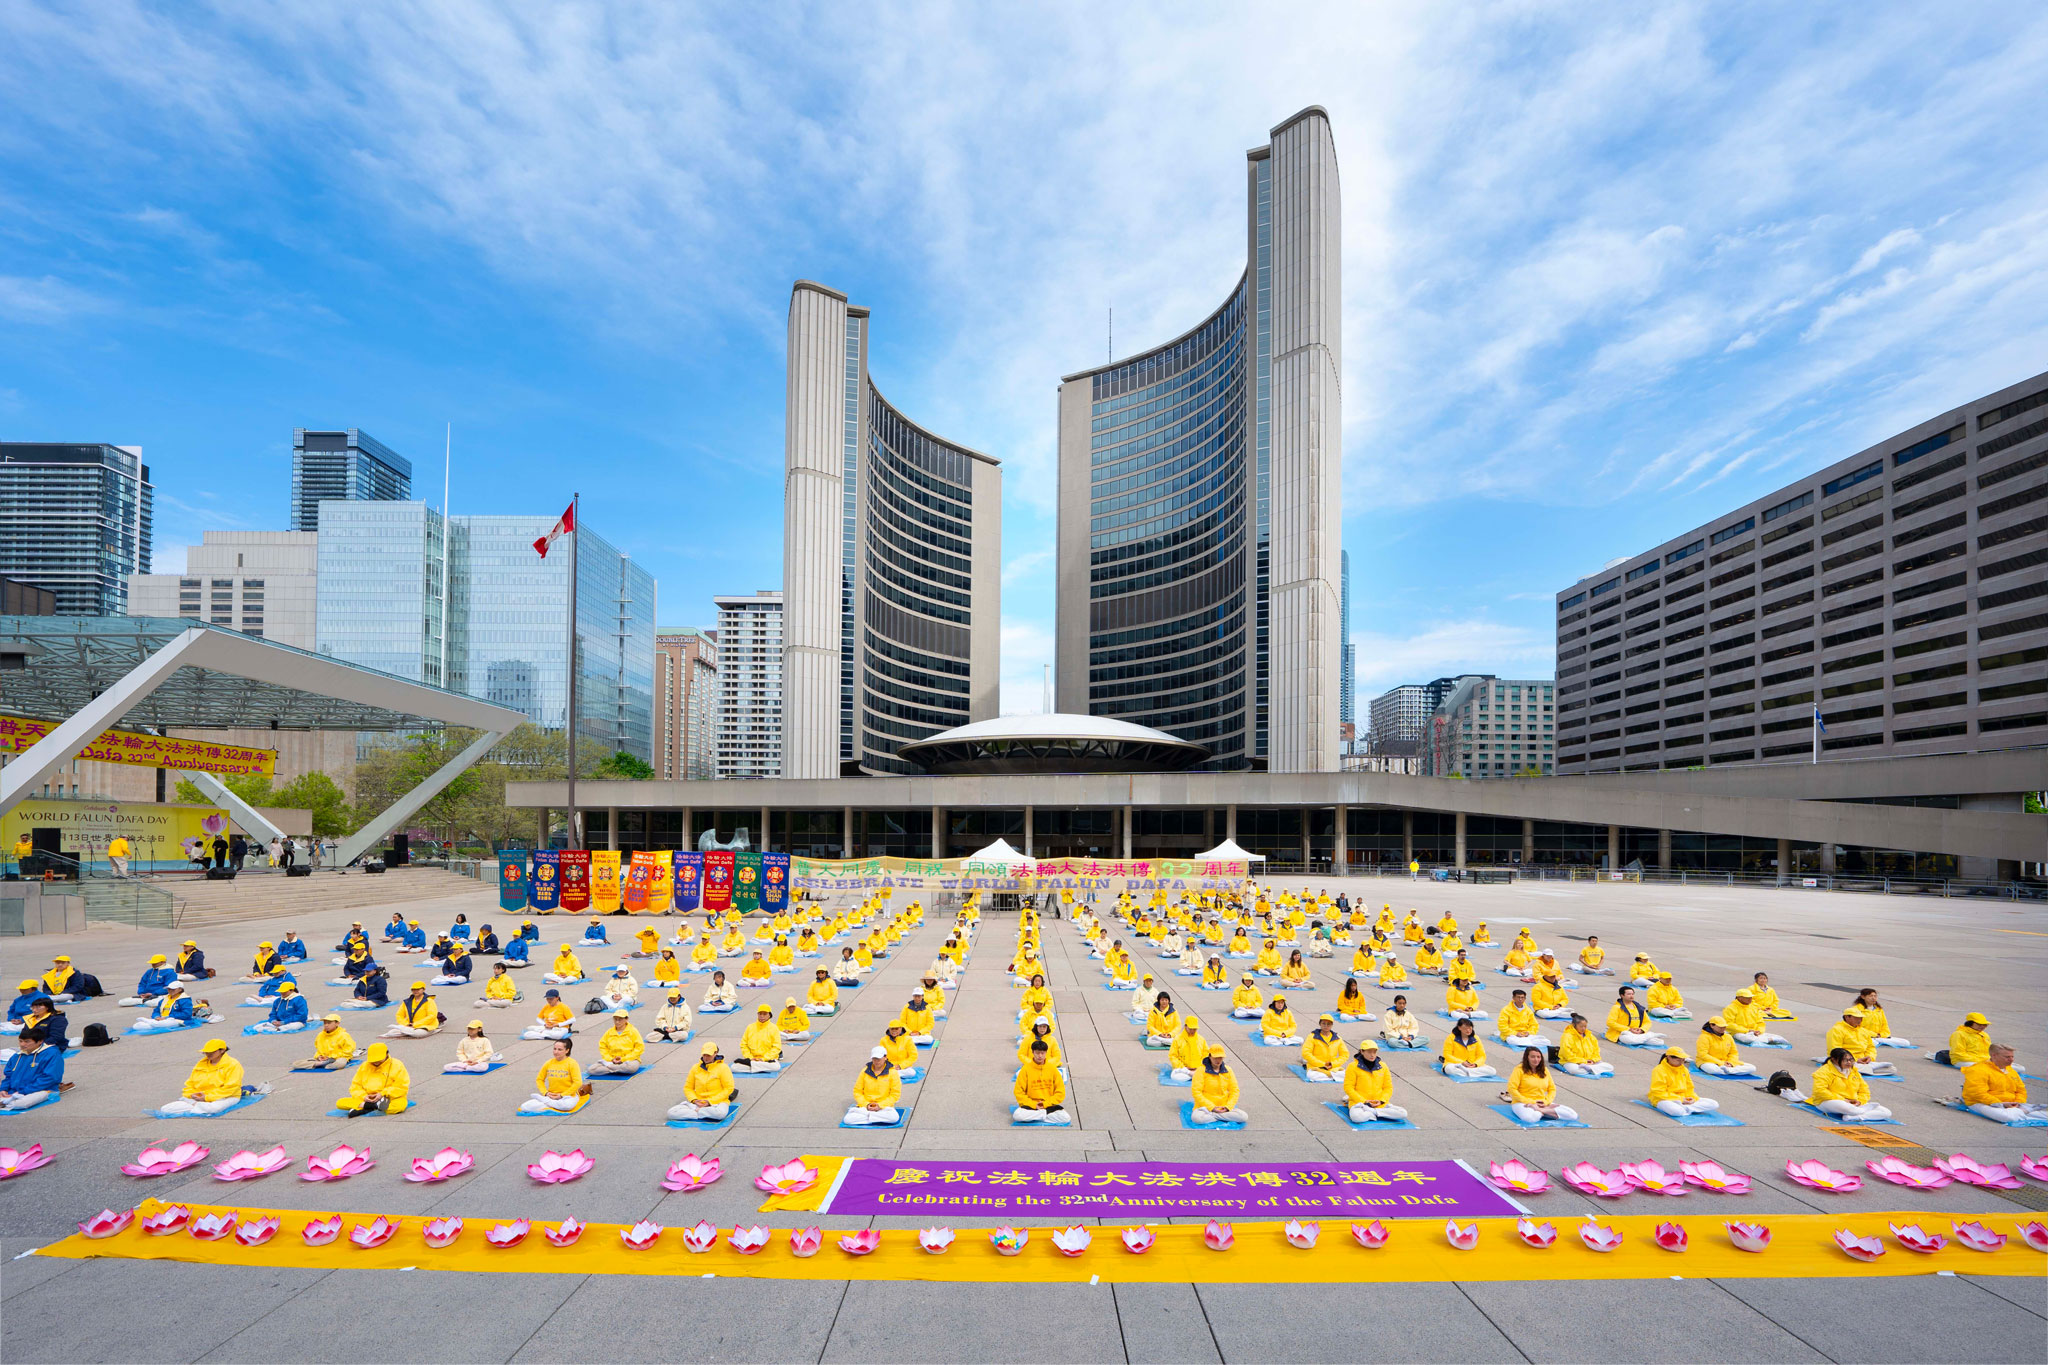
x: 455, y: 968
x: 515, y: 953
x: 288, y: 1012
x: 486, y: 943
x: 394, y: 932
x: 18, y: 1007
x: 292, y: 948
x: 593, y: 932
x: 54, y: 1023
x: 460, y: 929
x: 173, y: 1009
x: 192, y: 963
x: 359, y: 964
x: 415, y: 938
x: 530, y: 931
x: 33, y: 1074
x: 279, y: 975
x: 158, y: 977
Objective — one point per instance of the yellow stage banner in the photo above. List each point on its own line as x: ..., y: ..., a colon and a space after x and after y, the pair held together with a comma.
x: 1802, y: 1247
x: 155, y: 834
x: 17, y: 733
x: 604, y: 880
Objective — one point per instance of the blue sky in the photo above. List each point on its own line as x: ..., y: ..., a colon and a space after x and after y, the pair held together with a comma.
x: 1608, y: 269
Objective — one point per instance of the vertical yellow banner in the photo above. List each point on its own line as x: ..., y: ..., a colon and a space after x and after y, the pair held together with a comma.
x: 662, y: 890
x: 604, y: 880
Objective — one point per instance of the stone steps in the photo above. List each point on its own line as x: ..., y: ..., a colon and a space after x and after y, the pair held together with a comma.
x: 265, y: 895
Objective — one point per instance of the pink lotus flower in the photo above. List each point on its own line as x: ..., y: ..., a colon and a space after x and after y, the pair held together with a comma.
x: 1542, y: 1236
x: 1138, y: 1241
x: 505, y: 1236
x: 1977, y: 1237
x: 106, y: 1223
x: 701, y: 1238
x: 213, y: 1226
x: 1008, y: 1241
x: 1651, y: 1177
x: 1517, y: 1177
x: 254, y: 1232
x: 860, y: 1243
x: 2034, y: 1235
x: 1372, y: 1236
x: 1302, y: 1235
x: 440, y: 1232
x: 1709, y: 1175
x: 13, y: 1163
x: 747, y: 1241
x: 172, y: 1219
x: 250, y: 1165
x: 339, y: 1164
x: 1819, y: 1175
x: 1587, y: 1178
x: 1905, y: 1173
x: 156, y: 1161
x: 1598, y: 1236
x: 1985, y: 1175
x: 805, y: 1241
x: 641, y: 1235
x: 1219, y: 1236
x: 790, y: 1177
x: 558, y: 1168
x: 1672, y: 1236
x: 1072, y: 1241
x: 935, y: 1240
x: 374, y: 1233
x: 1913, y: 1239
x: 2035, y: 1166
x: 564, y: 1233
x: 1463, y: 1238
x: 318, y: 1232
x: 442, y: 1165
x: 1748, y: 1236
x: 690, y: 1174
x: 1858, y: 1248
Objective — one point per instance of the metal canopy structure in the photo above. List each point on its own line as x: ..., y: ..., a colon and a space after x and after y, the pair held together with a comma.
x: 95, y: 673
x: 1052, y: 744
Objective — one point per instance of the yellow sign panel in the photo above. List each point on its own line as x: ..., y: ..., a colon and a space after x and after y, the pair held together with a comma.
x: 17, y: 733
x: 155, y: 834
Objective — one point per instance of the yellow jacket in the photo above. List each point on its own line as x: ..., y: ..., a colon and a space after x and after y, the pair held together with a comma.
x: 1668, y: 1082
x: 792, y: 1019
x: 1269, y: 960
x: 1353, y: 1004
x: 1162, y: 1023
x: 1717, y: 1048
x: 1428, y: 958
x: 1578, y: 1047
x: 1874, y: 1022
x: 1644, y: 970
x: 781, y: 955
x: 1188, y: 1050
x: 555, y: 1015
x: 1361, y: 960
x: 703, y: 953
x: 1474, y: 1055
x: 1986, y: 1084
x: 1035, y: 1000
x: 210, y: 1082
x: 501, y: 987
x: 388, y: 1078
x: 761, y: 1041
x: 1321, y: 1054
x: 1278, y: 1023
x: 1765, y: 999
x: 1855, y: 1039
x: 566, y: 964
x: 1518, y: 956
x: 1465, y: 971
x: 900, y: 1051
x: 1620, y: 1021
x: 1052, y: 1051
x: 732, y: 942
x: 915, y: 1021
x: 708, y: 1084
x: 327, y: 1046
x: 884, y: 1091
x: 1545, y: 996
x: 1295, y: 973
x: 1526, y: 1087
x: 1830, y: 1084
x: 1392, y: 973
x: 1515, y: 1022
x: 650, y: 939
x: 1458, y: 997
x: 1216, y: 1090
x: 1592, y: 957
x: 421, y: 1014
x: 1966, y: 1046
x: 668, y: 971
x: 1214, y: 974
x: 822, y: 993
x: 1368, y: 1087
x: 1737, y: 1017
x: 1663, y: 997
x: 755, y: 969
x: 1247, y: 998
x: 1038, y: 1085
x: 616, y: 1046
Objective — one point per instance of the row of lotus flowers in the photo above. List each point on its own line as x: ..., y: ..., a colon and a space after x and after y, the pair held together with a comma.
x: 1650, y: 1176
x: 1007, y: 1241
x: 689, y: 1174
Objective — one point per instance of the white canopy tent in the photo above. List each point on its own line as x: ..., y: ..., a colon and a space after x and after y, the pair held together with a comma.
x: 1229, y: 852
x: 999, y: 852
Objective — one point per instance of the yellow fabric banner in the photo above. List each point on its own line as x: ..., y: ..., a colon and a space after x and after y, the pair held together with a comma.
x: 155, y: 834
x: 661, y: 892
x: 18, y: 733
x: 1802, y: 1247
x: 604, y: 880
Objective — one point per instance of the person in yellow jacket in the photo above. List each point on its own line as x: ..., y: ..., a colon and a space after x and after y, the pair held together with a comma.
x: 1429, y: 959
x: 1036, y: 999
x: 1517, y: 1025
x: 807, y: 944
x: 917, y: 1019
x: 1392, y: 973
x: 792, y: 1023
x: 1851, y: 1034
x: 1549, y: 999
x: 1767, y: 999
x: 708, y: 1089
x: 1593, y: 956
x: 1216, y: 1093
x: 554, y: 1020
x: 733, y: 944
x: 1482, y: 935
x: 1214, y: 973
x: 381, y: 1084
x: 332, y: 1047
x: 1363, y: 959
x: 474, y: 1052
x: 760, y: 1045
x: 1278, y: 1024
x: 1969, y: 1044
x: 620, y: 1048
x: 782, y: 957
x: 1352, y: 1006
x: 755, y: 971
x: 1040, y: 1091
x: 1041, y: 1031
x: 1643, y: 973
x: 1874, y: 1021
x: 1464, y: 1054
x: 1629, y: 1023
x: 500, y: 990
x: 1369, y: 1086
x: 896, y: 1041
x: 1671, y: 1087
x: 1715, y: 1051
x: 649, y: 940
x: 1239, y: 945
x: 1994, y: 1089
x: 1532, y: 1091
x: 1411, y: 929
x: 1323, y: 1052
x: 1295, y: 975
x: 1665, y: 1001
x: 1578, y: 1051
x: 417, y: 1015
x: 1247, y: 1002
x: 1185, y: 1056
x: 1268, y: 963
x: 215, y: 1084
x: 558, y: 1087
x: 1839, y: 1089
x: 566, y: 969
x: 668, y: 969
x: 822, y: 996
x: 1462, y: 1002
x: 1461, y: 969
x: 1517, y: 961
x: 877, y: 1092
x: 934, y: 995
x: 703, y: 953
x: 1745, y: 1022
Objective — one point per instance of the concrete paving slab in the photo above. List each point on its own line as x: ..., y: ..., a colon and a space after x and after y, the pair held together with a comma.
x: 975, y: 1322
x: 638, y: 1319
x: 339, y: 1319
x: 1634, y: 1320
x: 169, y: 1310
x: 1938, y: 1317
x: 1317, y: 1323
x: 1163, y: 1323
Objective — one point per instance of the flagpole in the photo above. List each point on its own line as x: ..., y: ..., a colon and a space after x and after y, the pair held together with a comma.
x: 575, y: 529
x: 1816, y: 732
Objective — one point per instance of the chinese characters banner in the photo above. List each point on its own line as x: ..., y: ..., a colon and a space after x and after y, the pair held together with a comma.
x: 512, y: 881
x: 718, y: 880
x: 639, y: 877
x: 604, y: 880
x: 1052, y: 1190
x: 774, y: 882
x: 661, y: 890
x: 545, y: 892
x: 689, y: 879
x: 576, y: 880
x: 18, y: 733
x: 746, y: 882
x: 1062, y: 874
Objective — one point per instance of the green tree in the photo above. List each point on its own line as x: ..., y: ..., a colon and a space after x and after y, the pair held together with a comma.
x: 253, y: 788
x: 623, y: 765
x: 323, y: 796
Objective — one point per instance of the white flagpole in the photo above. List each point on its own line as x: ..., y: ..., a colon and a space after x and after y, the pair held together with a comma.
x: 575, y: 535
x: 447, y: 559
x: 1816, y: 732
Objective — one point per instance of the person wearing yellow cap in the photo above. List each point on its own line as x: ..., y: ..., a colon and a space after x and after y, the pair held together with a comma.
x: 877, y: 1092
x: 65, y: 983
x: 279, y: 977
x: 191, y: 962
x: 155, y: 979
x: 760, y: 1044
x: 417, y: 1015
x: 266, y: 962
x: 288, y: 1011
x: 1671, y: 1087
x: 214, y: 1086
x: 1323, y: 1053
x: 822, y: 996
x: 1664, y: 1000
x: 620, y: 1048
x: 381, y: 1084
x: 1840, y: 1090
x: 558, y: 1087
x: 415, y: 940
x: 1532, y: 1091
x: 1969, y: 1044
x: 1642, y: 973
x: 1247, y: 1002
x: 1039, y: 1091
x: 708, y: 1089
x: 1369, y: 1087
x: 755, y: 971
x: 793, y: 1024
x: 649, y: 940
x: 566, y: 969
x: 1715, y: 1051
x: 1745, y: 1022
x: 474, y: 1052
x: 1851, y: 1035
x: 28, y: 992
x: 1184, y: 1057
x: 332, y: 1047
x: 1215, y: 1092
x: 672, y: 1020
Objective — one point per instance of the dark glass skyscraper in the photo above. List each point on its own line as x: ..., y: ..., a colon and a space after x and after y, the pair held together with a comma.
x: 75, y: 520
x: 351, y: 466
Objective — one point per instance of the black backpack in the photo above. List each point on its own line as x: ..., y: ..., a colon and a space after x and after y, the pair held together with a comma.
x: 95, y: 1035
x: 596, y: 1006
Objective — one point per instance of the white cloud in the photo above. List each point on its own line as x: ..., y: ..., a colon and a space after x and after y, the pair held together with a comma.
x: 1027, y: 650
x: 1446, y: 648
x: 44, y: 300
x: 1023, y: 566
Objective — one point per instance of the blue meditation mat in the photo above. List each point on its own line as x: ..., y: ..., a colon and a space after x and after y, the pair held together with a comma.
x: 251, y: 1031
x: 52, y: 1098
x: 687, y: 1035
x: 1224, y: 987
x: 704, y: 1125
x: 1258, y: 1037
x: 761, y: 1075
x: 581, y: 1101
x: 1837, y: 1118
x: 615, y: 1076
x: 902, y: 1118
x: 932, y: 1046
x: 718, y: 1009
x: 1301, y: 1072
x: 1960, y: 1106
x: 573, y: 981
x: 705, y: 970
x: 331, y: 1070
x: 1438, y: 1068
x: 1773, y: 1047
x: 1166, y: 1078
x: 245, y: 1005
x: 1366, y: 1018
x: 1119, y: 986
x: 132, y: 1032
x: 1564, y: 1075
x: 1343, y: 1111
x: 1187, y: 1109
x: 242, y: 1103
x: 1507, y: 1112
x: 1299, y: 986
x: 1694, y: 1068
x: 1250, y: 957
x: 488, y: 1069
x: 1446, y: 1014
x: 911, y: 1075
x: 1715, y: 1120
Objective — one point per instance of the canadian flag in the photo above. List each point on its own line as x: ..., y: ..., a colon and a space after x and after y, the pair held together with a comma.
x: 562, y: 528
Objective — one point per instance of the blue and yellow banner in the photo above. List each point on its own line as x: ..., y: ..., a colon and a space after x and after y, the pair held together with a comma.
x: 689, y: 880
x: 774, y: 882
x: 545, y: 893
x: 512, y: 881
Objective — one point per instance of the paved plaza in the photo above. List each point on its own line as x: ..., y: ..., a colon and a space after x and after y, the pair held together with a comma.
x: 1933, y: 960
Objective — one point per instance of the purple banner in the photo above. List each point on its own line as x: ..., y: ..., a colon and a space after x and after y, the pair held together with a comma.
x: 1039, y: 1190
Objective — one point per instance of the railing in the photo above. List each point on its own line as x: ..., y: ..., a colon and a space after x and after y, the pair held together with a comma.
x: 128, y: 901
x: 1870, y: 883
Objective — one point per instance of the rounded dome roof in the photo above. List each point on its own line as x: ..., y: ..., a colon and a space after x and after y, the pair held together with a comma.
x: 1057, y: 742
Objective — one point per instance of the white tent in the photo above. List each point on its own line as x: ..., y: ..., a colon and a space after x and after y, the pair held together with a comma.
x: 1229, y: 852
x: 999, y: 852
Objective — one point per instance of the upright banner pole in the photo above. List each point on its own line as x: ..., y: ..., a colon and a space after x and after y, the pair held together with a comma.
x: 575, y: 539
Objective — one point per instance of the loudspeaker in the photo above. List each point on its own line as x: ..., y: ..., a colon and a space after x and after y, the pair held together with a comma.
x: 298, y: 870
x: 401, y: 851
x: 47, y: 838
x: 220, y: 874
x: 374, y: 865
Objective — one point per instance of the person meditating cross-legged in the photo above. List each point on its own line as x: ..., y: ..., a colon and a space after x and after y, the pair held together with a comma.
x: 559, y: 1085
x: 33, y: 1073
x: 215, y: 1084
x: 708, y: 1089
x: 1189, y: 1047
x: 1672, y: 1090
x: 1246, y: 1002
x: 620, y: 1048
x: 1851, y: 1034
x: 672, y: 1020
x: 157, y: 978
x: 1323, y: 1052
x: 1874, y: 1022
x: 1745, y: 1022
x: 1969, y: 1044
x: 1578, y: 1051
x: 760, y: 1044
x: 288, y: 1012
x: 1277, y: 1024
x: 877, y: 1092
x: 1665, y: 1001
x: 1839, y: 1089
x: 720, y: 996
x: 1039, y: 1090
x: 1352, y: 1006
x: 822, y: 996
x: 1548, y: 998
x: 417, y: 1015
x: 918, y: 1019
x: 793, y: 1023
x: 1532, y: 1092
x: 474, y: 1052
x: 381, y: 1083
x: 1369, y: 1086
x: 333, y: 1048
x: 1216, y: 1091
x: 1715, y: 1051
x: 1162, y: 1023
x: 1995, y: 1090
x: 1464, y: 1054
x: 1517, y: 1023
x: 500, y: 991
x: 173, y: 1009
x: 1400, y: 1028
x: 565, y: 969
x: 555, y: 1020
x: 1628, y: 1022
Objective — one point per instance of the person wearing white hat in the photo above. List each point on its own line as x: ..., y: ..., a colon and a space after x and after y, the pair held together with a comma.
x: 877, y: 1092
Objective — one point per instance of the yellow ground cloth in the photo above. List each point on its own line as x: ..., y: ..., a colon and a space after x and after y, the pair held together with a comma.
x: 1802, y: 1247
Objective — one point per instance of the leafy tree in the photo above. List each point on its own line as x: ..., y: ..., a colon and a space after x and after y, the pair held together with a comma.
x: 323, y: 796
x: 623, y: 765
x: 253, y: 788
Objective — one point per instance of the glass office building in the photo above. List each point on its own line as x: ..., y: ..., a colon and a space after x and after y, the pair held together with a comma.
x: 351, y: 466
x: 75, y: 521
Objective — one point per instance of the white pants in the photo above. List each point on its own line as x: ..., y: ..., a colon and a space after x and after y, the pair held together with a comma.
x: 1365, y: 1113
x: 800, y: 1036
x: 1737, y: 1069
x: 498, y: 1004
x: 1758, y: 1039
x: 1291, y: 1040
x: 749, y: 1064
x: 446, y: 980
x: 131, y: 1002
x: 474, y: 1068
x: 1216, y: 1116
x: 1468, y: 1014
x: 1057, y: 1118
x: 553, y: 980
x: 1529, y: 1113
x: 267, y: 1027
x: 200, y: 1107
x: 1463, y: 1069
x: 156, y: 1025
x: 921, y: 1039
x: 538, y: 1103
x: 405, y: 1031
x: 1586, y: 1068
x: 1855, y: 1113
x: 1407, y: 1040
x: 1527, y: 1040
x: 821, y: 1009
x: 709, y: 1112
x: 1662, y: 1013
x: 1181, y: 1073
x: 604, y: 1068
x: 1636, y: 1037
x: 1365, y: 1018
x: 1877, y: 1068
x: 1893, y: 1042
x: 846, y: 978
x: 1679, y: 1109
x: 2002, y: 1113
x: 884, y: 1117
x: 537, y: 1033
x: 1246, y: 1013
x: 120, y: 866
x: 28, y: 1100
x: 1554, y: 1014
